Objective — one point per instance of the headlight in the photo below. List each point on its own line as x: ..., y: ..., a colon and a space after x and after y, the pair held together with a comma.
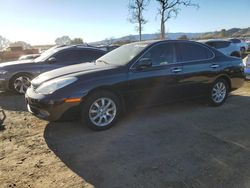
x: 3, y: 72
x: 53, y: 85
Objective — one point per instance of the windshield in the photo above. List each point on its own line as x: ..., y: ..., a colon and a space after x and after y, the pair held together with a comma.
x: 45, y: 55
x: 123, y: 55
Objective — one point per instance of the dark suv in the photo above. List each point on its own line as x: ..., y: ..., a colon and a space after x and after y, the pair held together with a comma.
x: 17, y: 75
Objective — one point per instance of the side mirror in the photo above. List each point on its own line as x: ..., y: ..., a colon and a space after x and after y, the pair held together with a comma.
x: 144, y: 63
x: 52, y: 60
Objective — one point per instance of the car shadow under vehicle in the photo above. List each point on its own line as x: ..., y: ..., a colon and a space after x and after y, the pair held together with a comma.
x: 177, y: 145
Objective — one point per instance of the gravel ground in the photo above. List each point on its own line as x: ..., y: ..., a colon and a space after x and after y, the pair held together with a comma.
x: 186, y: 144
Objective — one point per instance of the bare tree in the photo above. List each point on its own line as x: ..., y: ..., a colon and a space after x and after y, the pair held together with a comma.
x: 4, y: 42
x: 136, y: 8
x: 169, y: 9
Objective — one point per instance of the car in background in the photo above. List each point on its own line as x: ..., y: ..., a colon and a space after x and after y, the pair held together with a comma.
x: 241, y: 44
x: 29, y: 56
x: 224, y: 46
x: 248, y: 43
x: 16, y: 75
x: 144, y: 73
x: 246, y: 62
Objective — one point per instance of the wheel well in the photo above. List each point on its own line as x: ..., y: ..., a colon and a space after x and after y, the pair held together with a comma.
x: 227, y: 80
x: 235, y: 54
x: 118, y: 94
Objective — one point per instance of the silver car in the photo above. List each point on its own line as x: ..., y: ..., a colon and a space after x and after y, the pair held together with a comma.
x: 241, y: 44
x: 246, y: 62
x: 224, y: 46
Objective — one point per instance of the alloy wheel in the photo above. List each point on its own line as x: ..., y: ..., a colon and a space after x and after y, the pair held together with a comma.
x: 21, y: 84
x: 219, y: 92
x: 102, y: 112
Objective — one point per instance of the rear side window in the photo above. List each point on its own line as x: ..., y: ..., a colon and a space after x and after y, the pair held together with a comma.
x: 236, y: 40
x: 222, y: 44
x: 192, y: 52
x: 87, y: 55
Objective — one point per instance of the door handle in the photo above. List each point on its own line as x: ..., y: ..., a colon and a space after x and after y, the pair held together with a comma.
x: 214, y: 66
x: 176, y: 70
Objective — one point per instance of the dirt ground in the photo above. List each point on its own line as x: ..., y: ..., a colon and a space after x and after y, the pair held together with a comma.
x: 186, y: 144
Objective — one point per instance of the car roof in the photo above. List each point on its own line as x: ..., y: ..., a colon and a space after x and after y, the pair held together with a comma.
x: 149, y: 42
x: 213, y: 40
x: 63, y: 47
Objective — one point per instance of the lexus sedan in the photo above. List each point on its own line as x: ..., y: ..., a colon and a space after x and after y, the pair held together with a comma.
x: 143, y: 74
x: 16, y: 75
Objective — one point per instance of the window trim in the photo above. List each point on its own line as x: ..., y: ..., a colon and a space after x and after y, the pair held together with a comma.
x: 175, y: 58
x: 155, y: 45
x: 198, y: 59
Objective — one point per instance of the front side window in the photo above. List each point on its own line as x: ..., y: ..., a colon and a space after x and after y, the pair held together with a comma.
x: 161, y: 54
x: 192, y: 52
x: 67, y: 56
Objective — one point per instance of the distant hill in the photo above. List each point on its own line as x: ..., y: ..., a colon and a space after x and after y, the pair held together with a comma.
x: 234, y: 32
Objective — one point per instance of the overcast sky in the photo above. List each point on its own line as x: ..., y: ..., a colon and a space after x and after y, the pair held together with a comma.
x: 41, y: 21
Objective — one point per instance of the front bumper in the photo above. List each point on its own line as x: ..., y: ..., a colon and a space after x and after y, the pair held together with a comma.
x: 45, y: 107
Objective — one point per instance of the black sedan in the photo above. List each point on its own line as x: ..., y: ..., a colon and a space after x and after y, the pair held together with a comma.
x: 16, y: 75
x: 143, y: 73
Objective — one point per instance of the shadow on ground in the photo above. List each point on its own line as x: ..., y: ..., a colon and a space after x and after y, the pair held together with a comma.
x: 12, y: 102
x: 178, y: 145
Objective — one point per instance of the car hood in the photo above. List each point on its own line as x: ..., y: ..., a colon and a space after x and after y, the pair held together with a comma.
x: 73, y: 70
x: 14, y: 63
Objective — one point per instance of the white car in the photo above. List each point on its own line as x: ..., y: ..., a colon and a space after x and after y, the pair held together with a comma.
x: 240, y: 43
x: 224, y: 46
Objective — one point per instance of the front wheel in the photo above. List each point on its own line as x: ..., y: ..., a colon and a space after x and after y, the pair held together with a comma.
x: 218, y: 92
x: 20, y: 83
x: 101, y: 110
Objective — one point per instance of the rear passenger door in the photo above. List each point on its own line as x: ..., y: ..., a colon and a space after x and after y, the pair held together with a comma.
x: 198, y: 68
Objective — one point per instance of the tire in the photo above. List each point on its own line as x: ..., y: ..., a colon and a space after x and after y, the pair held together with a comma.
x: 218, y: 92
x: 20, y: 83
x: 102, y: 117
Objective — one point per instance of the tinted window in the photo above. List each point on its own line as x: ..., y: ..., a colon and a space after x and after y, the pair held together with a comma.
x: 212, y: 44
x: 192, y: 52
x: 67, y: 56
x: 235, y: 40
x: 161, y: 54
x: 87, y: 55
x: 222, y: 44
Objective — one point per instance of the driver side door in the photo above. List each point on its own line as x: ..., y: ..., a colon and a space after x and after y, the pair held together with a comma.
x: 159, y: 82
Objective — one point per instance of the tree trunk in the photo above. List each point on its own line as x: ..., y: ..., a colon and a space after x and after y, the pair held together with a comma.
x: 139, y: 20
x: 162, y: 26
x: 140, y: 30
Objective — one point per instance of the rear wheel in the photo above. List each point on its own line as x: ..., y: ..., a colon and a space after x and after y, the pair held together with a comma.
x: 218, y: 92
x: 101, y: 110
x: 20, y: 83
